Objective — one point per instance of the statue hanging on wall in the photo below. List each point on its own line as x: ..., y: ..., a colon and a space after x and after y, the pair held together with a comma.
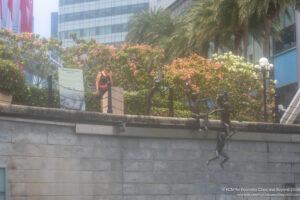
x: 226, y: 131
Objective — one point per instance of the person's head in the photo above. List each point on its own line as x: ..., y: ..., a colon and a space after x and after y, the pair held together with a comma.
x: 107, y: 68
x: 156, y: 81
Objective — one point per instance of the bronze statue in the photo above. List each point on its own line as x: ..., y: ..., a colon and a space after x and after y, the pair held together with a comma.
x: 221, y: 139
x: 150, y: 95
x: 224, y: 108
x: 194, y: 106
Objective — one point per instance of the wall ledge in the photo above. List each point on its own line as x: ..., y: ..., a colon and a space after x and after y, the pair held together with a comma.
x: 71, y: 116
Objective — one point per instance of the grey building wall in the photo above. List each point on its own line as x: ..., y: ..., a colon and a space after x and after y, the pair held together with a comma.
x: 104, y: 20
x: 54, y: 24
x: 79, y: 160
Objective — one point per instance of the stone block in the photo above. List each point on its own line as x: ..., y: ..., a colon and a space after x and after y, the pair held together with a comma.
x: 281, y: 157
x: 138, y: 177
x: 146, y: 189
x: 170, y: 197
x: 64, y: 138
x: 107, y: 189
x: 176, y: 166
x: 107, y: 153
x: 201, y: 197
x: 284, y: 147
x: 138, y: 197
x: 138, y: 165
x: 32, y: 150
x: 255, y: 178
x: 129, y: 143
x: 177, y: 154
x: 93, y: 164
x: 117, y: 95
x: 155, y: 143
x: 186, y: 144
x: 228, y: 197
x: 138, y: 154
x: 94, y: 129
x: 107, y: 177
x: 209, y: 188
x: 181, y: 189
x: 247, y: 146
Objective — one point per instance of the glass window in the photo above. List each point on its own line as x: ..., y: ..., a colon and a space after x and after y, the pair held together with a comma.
x: 288, y: 40
x: 105, y: 12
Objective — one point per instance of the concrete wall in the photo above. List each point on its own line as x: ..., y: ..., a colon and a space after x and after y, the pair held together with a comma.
x: 63, y: 155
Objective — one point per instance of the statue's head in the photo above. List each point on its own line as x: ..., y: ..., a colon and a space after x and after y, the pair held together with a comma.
x: 156, y: 82
x: 194, y: 96
x: 226, y: 105
x: 220, y: 99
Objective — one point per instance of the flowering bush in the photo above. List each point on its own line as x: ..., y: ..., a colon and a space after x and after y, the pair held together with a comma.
x: 136, y: 66
x: 226, y: 72
x: 12, y: 78
x: 30, y: 51
x: 90, y: 56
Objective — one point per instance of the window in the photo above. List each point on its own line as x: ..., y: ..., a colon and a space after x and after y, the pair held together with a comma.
x: 288, y: 40
x: 105, y: 12
x: 3, y: 183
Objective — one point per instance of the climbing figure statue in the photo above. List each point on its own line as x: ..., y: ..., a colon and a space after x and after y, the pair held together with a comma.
x: 226, y: 128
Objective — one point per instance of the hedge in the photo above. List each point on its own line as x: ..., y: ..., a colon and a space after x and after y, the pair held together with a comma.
x: 134, y: 102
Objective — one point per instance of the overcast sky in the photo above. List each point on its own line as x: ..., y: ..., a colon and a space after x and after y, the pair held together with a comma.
x: 42, y: 16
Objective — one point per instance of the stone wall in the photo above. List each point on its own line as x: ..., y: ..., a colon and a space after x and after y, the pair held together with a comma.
x: 49, y: 158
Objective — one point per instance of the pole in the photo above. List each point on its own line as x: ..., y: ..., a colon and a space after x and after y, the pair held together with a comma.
x: 171, y: 106
x: 109, y: 99
x: 265, y: 95
x: 50, y: 92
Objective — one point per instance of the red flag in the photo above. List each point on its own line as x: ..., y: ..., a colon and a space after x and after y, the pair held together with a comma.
x: 26, y: 7
x: 10, y: 7
x: 1, y: 15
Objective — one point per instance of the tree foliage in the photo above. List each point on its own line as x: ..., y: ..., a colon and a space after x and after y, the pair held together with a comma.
x: 90, y: 56
x: 136, y: 66
x: 225, y: 72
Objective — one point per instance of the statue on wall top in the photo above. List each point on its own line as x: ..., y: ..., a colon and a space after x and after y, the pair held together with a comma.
x: 194, y: 103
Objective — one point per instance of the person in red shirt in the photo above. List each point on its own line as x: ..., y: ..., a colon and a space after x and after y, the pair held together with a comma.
x: 103, y: 78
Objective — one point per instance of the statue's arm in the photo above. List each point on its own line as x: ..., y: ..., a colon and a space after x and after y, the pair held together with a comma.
x: 216, y: 110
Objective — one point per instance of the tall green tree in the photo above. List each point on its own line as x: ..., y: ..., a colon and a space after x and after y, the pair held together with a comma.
x: 268, y: 11
x: 151, y: 27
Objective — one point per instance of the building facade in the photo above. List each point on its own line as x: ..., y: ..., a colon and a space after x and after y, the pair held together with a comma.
x: 104, y: 20
x: 54, y: 24
x: 177, y: 7
x: 286, y: 60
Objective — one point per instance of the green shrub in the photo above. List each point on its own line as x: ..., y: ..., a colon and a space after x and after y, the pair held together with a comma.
x: 12, y: 78
x: 33, y: 96
x: 92, y: 103
x: 135, y: 102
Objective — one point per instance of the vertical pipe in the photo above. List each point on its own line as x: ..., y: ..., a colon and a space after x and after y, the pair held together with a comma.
x: 265, y: 95
x: 50, y: 92
x: 109, y: 99
x: 171, y: 106
x: 297, y: 16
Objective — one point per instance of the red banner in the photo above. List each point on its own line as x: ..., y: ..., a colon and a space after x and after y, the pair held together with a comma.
x: 26, y: 15
x: 17, y: 15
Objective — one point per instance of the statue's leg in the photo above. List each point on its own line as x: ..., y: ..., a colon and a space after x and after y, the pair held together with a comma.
x: 199, y: 123
x: 214, y: 158
x: 227, y: 128
x: 206, y: 122
x: 222, y: 153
